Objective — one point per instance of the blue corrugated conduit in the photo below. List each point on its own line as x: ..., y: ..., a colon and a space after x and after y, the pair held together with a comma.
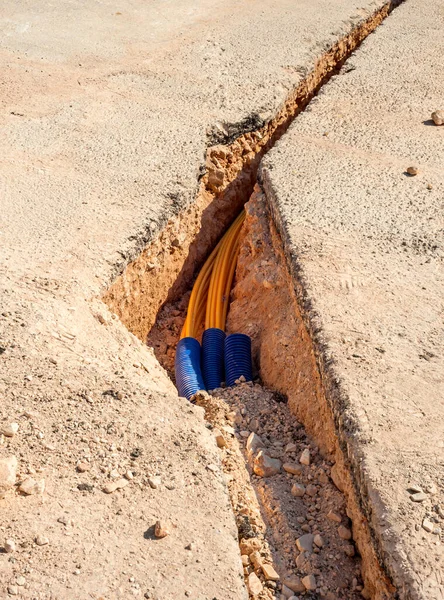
x: 219, y: 356
x: 189, y: 378
x: 237, y: 355
x: 213, y: 357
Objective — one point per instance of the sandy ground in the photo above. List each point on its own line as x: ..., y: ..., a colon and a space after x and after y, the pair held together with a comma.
x: 107, y: 112
x: 364, y: 240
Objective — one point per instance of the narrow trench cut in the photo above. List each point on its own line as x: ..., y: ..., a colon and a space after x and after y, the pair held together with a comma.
x: 302, y: 518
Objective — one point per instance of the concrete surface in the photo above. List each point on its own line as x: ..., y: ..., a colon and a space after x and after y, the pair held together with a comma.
x: 107, y: 111
x: 365, y: 240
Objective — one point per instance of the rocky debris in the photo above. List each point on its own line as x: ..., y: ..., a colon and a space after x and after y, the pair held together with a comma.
x: 247, y: 546
x: 8, y: 473
x: 161, y: 529
x: 344, y: 533
x: 254, y: 584
x: 112, y: 486
x: 292, y: 468
x: 254, y: 443
x: 333, y: 516
x: 336, y: 478
x: 412, y: 170
x: 418, y: 497
x: 269, y: 572
x: 154, y: 482
x: 83, y: 467
x: 41, y: 540
x: 13, y: 590
x: 304, y: 459
x: 428, y: 525
x: 10, y: 546
x: 264, y: 466
x: 305, y: 543
x: 9, y: 430
x: 298, y: 490
x: 309, y: 582
x: 438, y: 117
x: 220, y: 440
x: 288, y: 517
x: 20, y: 580
x: 30, y: 486
x: 294, y: 583
x: 256, y: 559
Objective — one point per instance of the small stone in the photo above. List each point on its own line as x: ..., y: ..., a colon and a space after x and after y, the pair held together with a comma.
x: 264, y: 466
x: 254, y: 442
x: 254, y: 584
x: 112, y: 486
x: 247, y: 546
x: 311, y: 490
x: 336, y: 478
x: 82, y: 467
x: 154, y: 482
x: 220, y: 440
x: 128, y: 475
x: 8, y: 472
x: 30, y: 486
x: 298, y: 490
x: 291, y: 447
x: 309, y: 582
x: 287, y: 592
x: 9, y: 430
x: 13, y: 590
x: 304, y: 459
x: 344, y: 533
x: 413, y: 488
x: 294, y: 583
x: 438, y: 117
x: 412, y: 170
x: 303, y: 561
x: 305, y: 543
x: 418, y: 497
x: 160, y: 529
x: 428, y: 525
x: 20, y: 580
x: 292, y: 468
x: 244, y: 434
x: 41, y: 540
x: 431, y: 489
x: 349, y: 550
x: 269, y: 572
x: 245, y: 560
x: 333, y: 516
x: 10, y: 546
x: 256, y: 559
x: 429, y: 186
x: 318, y: 541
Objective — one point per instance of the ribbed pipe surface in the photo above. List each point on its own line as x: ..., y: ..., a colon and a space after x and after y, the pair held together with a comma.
x: 189, y: 378
x: 237, y: 355
x: 213, y: 357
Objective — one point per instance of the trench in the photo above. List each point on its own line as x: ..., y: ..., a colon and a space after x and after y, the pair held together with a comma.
x: 289, y: 404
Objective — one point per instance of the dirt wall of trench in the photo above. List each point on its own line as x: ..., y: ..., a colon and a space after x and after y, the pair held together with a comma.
x: 265, y: 307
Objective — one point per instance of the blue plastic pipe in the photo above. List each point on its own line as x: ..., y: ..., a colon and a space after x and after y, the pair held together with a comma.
x: 237, y: 355
x: 189, y: 378
x: 213, y: 357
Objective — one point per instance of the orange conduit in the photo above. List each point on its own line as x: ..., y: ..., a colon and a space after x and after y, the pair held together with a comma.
x: 210, y: 294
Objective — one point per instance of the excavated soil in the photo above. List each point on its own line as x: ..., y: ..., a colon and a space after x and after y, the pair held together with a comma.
x: 269, y: 516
